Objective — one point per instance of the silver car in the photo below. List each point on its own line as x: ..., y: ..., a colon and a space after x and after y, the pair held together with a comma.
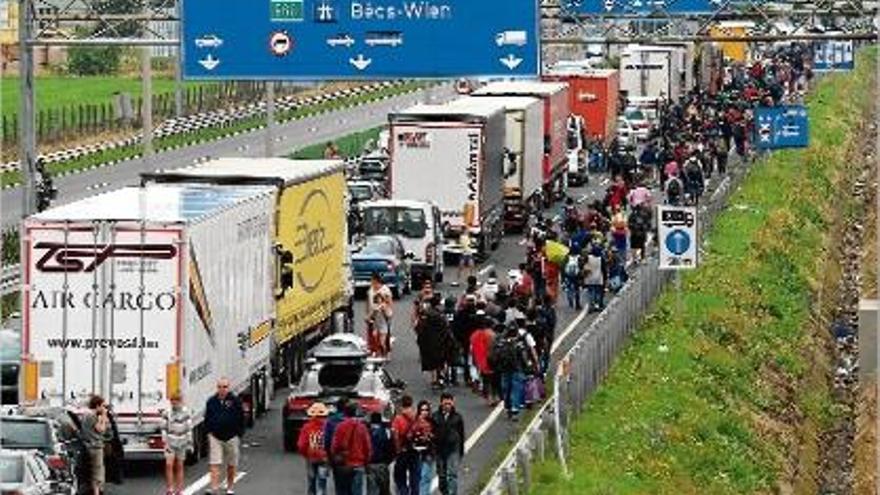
x: 26, y: 472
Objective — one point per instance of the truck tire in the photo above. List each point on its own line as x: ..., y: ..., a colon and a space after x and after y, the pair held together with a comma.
x: 288, y: 436
x: 199, y: 446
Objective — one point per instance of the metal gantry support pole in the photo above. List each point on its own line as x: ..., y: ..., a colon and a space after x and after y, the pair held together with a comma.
x: 27, y: 154
x: 178, y: 69
x: 270, y: 119
x: 147, y: 111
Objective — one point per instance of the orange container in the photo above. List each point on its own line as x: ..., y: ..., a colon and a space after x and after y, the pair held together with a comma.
x: 593, y: 94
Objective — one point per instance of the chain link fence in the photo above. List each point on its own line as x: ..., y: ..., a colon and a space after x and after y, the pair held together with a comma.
x: 581, y: 370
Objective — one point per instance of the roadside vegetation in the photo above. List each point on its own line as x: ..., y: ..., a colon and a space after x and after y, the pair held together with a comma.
x: 349, y: 146
x: 209, y: 134
x: 730, y: 396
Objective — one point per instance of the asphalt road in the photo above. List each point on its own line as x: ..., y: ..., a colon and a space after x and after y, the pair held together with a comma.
x: 269, y: 470
x: 290, y: 136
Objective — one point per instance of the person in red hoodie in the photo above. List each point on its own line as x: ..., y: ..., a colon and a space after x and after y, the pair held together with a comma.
x: 481, y: 344
x: 350, y: 452
x: 311, y: 445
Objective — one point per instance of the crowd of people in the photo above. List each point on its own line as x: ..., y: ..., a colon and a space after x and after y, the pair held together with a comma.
x: 357, y: 454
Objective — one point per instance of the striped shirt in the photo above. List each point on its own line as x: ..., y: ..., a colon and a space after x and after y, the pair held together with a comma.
x: 178, y: 428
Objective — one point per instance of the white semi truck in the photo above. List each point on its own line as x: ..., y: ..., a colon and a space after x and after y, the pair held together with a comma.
x: 142, y: 293
x: 453, y: 155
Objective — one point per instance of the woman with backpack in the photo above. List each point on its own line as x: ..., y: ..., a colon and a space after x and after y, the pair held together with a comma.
x: 572, y: 280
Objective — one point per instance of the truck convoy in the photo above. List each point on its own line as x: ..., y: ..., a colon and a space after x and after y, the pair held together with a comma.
x: 556, y: 116
x: 230, y: 269
x: 453, y: 155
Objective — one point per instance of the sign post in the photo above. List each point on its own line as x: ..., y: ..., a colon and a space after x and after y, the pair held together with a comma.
x: 784, y: 126
x: 359, y: 39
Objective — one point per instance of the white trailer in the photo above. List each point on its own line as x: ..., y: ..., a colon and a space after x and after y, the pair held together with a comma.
x: 142, y: 293
x: 652, y: 71
x: 453, y: 155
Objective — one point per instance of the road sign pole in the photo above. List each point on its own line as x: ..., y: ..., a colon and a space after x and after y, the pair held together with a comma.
x: 27, y: 153
x: 178, y: 68
x: 147, y: 110
x: 270, y: 119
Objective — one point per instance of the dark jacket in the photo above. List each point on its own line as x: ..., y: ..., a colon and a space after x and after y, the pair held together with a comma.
x: 448, y: 433
x: 224, y: 419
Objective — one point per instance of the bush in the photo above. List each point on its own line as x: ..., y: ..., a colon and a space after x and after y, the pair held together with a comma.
x: 92, y: 60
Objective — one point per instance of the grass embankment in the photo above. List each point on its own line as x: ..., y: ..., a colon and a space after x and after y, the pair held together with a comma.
x: 729, y: 397
x: 212, y: 133
x: 57, y: 91
x: 349, y: 145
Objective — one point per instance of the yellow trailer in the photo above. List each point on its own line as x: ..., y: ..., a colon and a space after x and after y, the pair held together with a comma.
x: 738, y: 51
x: 313, y: 288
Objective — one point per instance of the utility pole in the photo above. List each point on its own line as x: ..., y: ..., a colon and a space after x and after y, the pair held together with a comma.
x: 178, y: 69
x: 27, y: 154
x: 270, y: 119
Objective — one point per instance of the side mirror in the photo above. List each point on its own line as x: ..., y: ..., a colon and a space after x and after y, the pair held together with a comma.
x: 284, y: 270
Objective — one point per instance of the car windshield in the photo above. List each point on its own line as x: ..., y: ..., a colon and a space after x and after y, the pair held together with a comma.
x: 343, y: 376
x: 383, y: 247
x: 408, y: 222
x: 635, y: 115
x: 371, y: 166
x: 11, y: 469
x: 360, y: 193
x: 16, y: 434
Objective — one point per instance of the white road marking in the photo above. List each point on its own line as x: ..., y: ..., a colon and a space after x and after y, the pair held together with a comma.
x: 205, y: 480
x: 486, y: 270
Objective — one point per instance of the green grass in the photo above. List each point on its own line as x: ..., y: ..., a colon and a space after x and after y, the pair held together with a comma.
x: 703, y: 402
x: 204, y: 135
x: 54, y: 92
x: 350, y: 145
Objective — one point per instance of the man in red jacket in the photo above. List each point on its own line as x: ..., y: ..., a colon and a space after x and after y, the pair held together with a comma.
x: 311, y: 445
x: 350, y: 453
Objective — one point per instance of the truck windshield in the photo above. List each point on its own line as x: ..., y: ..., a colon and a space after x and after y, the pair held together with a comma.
x: 408, y: 222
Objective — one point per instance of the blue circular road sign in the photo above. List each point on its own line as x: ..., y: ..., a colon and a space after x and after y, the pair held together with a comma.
x: 678, y: 242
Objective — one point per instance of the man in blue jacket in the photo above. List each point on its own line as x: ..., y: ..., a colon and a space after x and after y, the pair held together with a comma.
x: 224, y: 421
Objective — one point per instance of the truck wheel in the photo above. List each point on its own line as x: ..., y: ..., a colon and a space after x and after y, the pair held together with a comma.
x: 192, y: 458
x: 288, y: 435
x: 247, y: 402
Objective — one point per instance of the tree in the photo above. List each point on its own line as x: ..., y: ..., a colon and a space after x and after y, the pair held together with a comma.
x: 93, y: 60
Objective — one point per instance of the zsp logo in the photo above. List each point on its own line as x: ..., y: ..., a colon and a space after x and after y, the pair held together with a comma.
x: 311, y: 241
x: 73, y: 258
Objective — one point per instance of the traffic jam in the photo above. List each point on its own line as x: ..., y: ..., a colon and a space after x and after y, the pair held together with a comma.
x: 372, y: 324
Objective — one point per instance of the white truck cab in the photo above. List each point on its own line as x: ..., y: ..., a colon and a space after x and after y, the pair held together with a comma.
x: 417, y: 224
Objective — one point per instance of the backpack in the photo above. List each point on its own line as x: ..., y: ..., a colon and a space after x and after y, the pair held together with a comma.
x: 380, y: 441
x: 503, y: 354
x: 572, y: 267
x: 673, y: 188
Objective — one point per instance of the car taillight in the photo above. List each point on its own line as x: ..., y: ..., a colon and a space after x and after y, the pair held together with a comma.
x: 56, y: 462
x: 298, y: 404
x: 156, y: 442
x: 429, y: 253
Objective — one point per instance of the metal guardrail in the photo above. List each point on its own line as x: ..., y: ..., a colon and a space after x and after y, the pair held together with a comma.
x: 9, y: 279
x: 199, y: 121
x: 580, y: 371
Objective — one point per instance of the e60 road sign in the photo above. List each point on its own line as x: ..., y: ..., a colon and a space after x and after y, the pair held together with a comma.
x: 784, y: 126
x: 359, y: 39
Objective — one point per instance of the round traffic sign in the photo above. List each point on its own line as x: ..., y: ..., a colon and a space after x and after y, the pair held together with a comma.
x: 678, y: 242
x: 280, y: 43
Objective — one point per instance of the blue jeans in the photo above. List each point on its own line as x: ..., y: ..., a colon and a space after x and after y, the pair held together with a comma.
x: 407, y: 471
x: 427, y: 475
x: 512, y: 391
x: 447, y: 473
x: 597, y: 296
x: 573, y: 292
x: 317, y: 475
x: 350, y: 481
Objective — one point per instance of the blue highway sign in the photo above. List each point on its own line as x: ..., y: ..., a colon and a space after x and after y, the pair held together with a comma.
x: 833, y: 55
x: 677, y: 233
x: 359, y: 39
x: 678, y: 242
x: 785, y: 126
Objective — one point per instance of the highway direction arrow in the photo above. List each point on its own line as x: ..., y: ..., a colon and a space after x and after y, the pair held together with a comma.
x: 209, y: 62
x: 360, y: 39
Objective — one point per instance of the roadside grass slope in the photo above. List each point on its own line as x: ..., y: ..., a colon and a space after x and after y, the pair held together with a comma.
x: 729, y: 397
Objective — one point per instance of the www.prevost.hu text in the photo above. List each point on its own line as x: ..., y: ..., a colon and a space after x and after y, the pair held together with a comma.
x: 368, y: 11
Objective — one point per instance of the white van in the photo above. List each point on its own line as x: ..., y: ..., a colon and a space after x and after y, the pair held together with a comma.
x: 417, y: 224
